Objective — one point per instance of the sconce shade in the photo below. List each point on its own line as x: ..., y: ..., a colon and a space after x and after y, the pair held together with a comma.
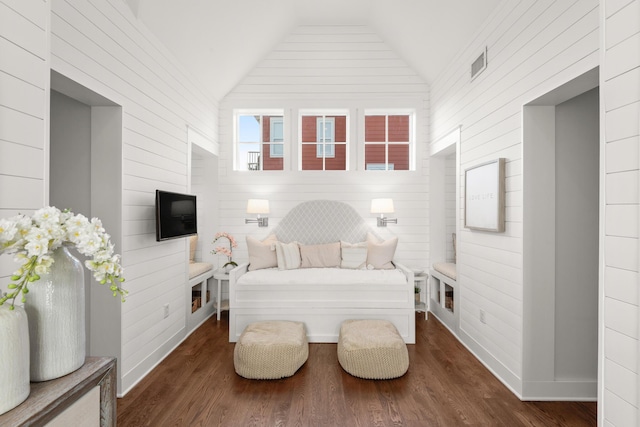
x: 258, y: 206
x: 382, y: 206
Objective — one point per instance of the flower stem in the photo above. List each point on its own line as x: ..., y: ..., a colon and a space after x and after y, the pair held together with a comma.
x: 27, y: 275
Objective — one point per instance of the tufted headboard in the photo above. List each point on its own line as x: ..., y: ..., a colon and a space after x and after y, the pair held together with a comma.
x: 322, y: 221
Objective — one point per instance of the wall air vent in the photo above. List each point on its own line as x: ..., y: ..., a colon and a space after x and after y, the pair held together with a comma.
x: 479, y: 65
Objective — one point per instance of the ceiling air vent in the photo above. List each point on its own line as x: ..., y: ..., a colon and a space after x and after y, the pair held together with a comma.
x: 479, y: 64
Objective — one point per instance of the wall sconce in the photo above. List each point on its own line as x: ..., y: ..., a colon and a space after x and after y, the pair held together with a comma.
x: 259, y: 207
x: 383, y: 206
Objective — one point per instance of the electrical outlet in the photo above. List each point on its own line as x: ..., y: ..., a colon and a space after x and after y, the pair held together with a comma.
x: 482, y: 317
x: 166, y: 310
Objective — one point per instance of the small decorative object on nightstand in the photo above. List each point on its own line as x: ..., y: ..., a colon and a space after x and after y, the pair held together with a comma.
x: 421, y: 286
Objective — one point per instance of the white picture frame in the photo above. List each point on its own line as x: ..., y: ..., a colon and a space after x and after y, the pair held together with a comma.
x: 484, y: 196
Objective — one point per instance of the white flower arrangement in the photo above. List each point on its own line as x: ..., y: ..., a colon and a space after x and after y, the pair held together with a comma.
x: 33, y: 239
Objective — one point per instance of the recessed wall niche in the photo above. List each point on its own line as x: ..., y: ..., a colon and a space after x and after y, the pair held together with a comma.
x: 85, y: 175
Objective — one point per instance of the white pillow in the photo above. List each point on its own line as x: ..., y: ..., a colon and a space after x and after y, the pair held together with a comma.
x: 262, y: 254
x: 319, y: 256
x: 354, y: 255
x: 380, y: 254
x: 288, y: 255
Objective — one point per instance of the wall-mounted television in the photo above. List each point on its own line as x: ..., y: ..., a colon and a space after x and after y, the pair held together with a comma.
x: 175, y: 215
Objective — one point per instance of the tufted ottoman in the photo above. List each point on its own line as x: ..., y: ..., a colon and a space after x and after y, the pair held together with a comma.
x: 271, y: 350
x: 372, y: 349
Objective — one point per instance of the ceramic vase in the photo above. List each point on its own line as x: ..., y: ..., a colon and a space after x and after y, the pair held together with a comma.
x: 55, y: 308
x: 14, y: 354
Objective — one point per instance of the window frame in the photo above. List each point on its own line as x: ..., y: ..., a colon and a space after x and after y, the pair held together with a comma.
x: 386, y: 112
x: 326, y: 114
x: 262, y: 113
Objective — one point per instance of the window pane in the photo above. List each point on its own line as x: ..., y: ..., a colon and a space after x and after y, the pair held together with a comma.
x: 249, y: 129
x: 310, y: 159
x: 274, y: 130
x: 374, y: 154
x: 388, y: 141
x: 339, y: 162
x: 259, y: 143
x: 398, y: 129
x: 309, y: 133
x: 272, y: 157
x: 325, y: 127
x: 249, y: 157
x: 399, y: 156
x: 323, y: 142
x: 340, y: 128
x: 374, y: 128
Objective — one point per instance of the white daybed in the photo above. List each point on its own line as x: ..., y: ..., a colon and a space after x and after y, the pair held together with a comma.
x: 321, y: 298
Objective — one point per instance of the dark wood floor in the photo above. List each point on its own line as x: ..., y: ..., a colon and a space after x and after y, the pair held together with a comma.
x: 445, y: 386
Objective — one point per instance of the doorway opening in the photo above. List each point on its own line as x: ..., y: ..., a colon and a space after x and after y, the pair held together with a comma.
x: 561, y: 203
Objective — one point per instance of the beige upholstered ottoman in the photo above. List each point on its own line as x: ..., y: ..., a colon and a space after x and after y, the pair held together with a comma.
x: 271, y: 350
x: 372, y: 349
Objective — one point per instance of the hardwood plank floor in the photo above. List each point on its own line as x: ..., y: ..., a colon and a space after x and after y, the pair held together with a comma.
x: 196, y: 385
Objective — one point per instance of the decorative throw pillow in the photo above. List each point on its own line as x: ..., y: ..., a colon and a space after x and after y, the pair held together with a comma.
x: 380, y: 254
x: 262, y: 254
x: 325, y: 255
x: 354, y: 255
x: 193, y: 245
x: 288, y: 255
x: 455, y: 249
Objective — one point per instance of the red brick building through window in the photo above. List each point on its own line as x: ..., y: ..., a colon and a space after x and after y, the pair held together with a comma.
x: 387, y: 142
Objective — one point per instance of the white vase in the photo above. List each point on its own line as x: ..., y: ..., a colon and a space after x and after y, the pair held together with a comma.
x: 14, y: 354
x: 55, y: 307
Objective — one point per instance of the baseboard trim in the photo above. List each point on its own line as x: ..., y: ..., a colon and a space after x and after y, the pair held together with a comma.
x: 501, y: 372
x: 137, y: 374
x: 569, y: 391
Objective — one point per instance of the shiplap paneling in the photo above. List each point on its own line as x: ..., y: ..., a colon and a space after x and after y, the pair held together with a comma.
x: 533, y: 47
x: 24, y: 87
x: 619, y: 404
x: 621, y: 62
x: 342, y: 66
x: 101, y: 45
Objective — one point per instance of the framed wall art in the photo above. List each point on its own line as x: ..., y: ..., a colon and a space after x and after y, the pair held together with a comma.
x: 484, y: 196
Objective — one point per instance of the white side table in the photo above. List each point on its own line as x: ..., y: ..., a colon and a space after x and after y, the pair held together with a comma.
x: 221, y: 277
x: 422, y: 280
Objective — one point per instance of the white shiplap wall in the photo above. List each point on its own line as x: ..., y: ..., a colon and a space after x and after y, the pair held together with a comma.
x: 330, y: 67
x: 24, y: 100
x: 620, y: 78
x: 101, y: 45
x: 533, y: 47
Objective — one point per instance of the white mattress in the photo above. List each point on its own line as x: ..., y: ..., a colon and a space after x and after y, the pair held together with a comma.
x: 310, y: 276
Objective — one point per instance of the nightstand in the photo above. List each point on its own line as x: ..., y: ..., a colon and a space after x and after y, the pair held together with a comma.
x: 221, y: 277
x: 422, y: 280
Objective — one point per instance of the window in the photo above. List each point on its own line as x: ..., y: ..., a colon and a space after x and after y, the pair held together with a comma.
x: 259, y: 143
x: 388, y: 140
x: 276, y: 135
x: 325, y: 127
x: 323, y: 140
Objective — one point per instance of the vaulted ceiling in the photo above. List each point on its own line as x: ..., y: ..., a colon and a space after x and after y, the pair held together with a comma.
x: 220, y: 41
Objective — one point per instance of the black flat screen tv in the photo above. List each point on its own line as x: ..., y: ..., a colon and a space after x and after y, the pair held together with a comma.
x: 175, y: 215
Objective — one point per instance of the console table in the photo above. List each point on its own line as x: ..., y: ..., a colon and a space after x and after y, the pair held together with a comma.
x: 86, y: 394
